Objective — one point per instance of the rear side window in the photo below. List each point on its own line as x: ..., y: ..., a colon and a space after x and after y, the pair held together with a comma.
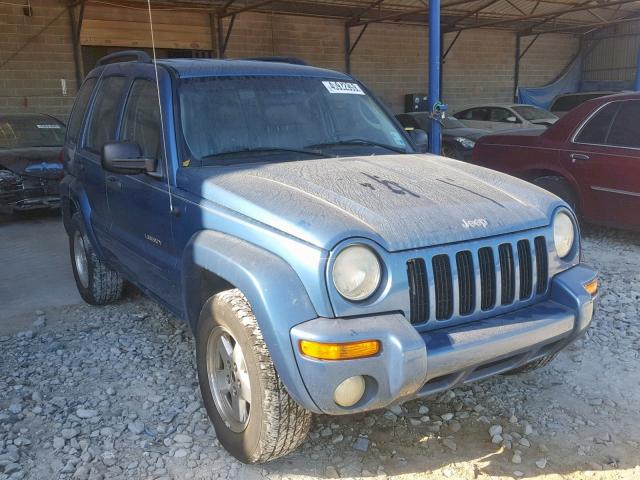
x: 141, y: 122
x: 481, y: 114
x: 501, y: 115
x: 625, y: 131
x: 103, y: 118
x: 82, y: 100
x: 596, y: 129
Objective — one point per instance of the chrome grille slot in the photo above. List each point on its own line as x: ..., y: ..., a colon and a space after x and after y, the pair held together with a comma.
x: 526, y: 272
x: 507, y: 268
x: 542, y: 264
x: 418, y: 290
x: 466, y: 282
x: 444, y: 287
x: 488, y: 278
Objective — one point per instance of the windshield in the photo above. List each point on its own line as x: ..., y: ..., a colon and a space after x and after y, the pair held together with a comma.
x: 452, y: 122
x: 529, y: 112
x: 25, y: 132
x: 297, y: 115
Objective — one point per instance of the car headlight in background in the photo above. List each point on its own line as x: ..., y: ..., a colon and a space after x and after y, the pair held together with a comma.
x: 356, y: 272
x: 563, y: 234
x: 465, y: 142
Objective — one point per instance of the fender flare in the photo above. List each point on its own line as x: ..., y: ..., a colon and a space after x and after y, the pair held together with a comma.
x: 71, y: 192
x: 276, y: 295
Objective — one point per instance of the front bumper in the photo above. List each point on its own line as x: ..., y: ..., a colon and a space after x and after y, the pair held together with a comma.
x: 414, y: 364
x: 20, y: 193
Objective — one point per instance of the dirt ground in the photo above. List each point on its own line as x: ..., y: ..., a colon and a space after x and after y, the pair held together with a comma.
x: 110, y: 393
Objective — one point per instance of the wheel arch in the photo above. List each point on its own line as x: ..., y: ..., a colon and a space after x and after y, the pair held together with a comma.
x: 534, y: 174
x: 213, y: 262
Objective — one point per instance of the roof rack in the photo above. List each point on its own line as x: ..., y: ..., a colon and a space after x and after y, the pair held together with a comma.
x: 124, y: 56
x: 292, y: 60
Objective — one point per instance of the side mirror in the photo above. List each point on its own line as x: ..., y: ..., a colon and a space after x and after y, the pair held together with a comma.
x: 126, y: 158
x: 421, y: 139
x: 512, y: 119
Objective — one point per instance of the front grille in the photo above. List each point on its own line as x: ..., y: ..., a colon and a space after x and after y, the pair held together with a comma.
x: 477, y: 280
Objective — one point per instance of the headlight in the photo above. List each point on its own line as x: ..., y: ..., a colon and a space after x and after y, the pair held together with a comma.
x: 465, y: 142
x: 356, y: 272
x: 563, y: 234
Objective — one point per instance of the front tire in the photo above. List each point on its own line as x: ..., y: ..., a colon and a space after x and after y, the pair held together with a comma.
x: 254, y: 416
x: 96, y: 282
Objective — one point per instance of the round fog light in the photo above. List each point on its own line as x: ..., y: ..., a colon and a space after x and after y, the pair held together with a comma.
x: 349, y: 392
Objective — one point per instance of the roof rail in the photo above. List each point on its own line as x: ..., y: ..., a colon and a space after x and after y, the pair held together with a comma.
x: 124, y: 56
x: 292, y: 60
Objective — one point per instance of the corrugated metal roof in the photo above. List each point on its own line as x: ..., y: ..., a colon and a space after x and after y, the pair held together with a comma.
x: 571, y: 16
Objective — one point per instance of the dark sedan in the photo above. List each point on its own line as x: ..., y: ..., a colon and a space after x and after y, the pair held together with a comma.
x: 590, y: 158
x: 30, y: 161
x: 458, y: 140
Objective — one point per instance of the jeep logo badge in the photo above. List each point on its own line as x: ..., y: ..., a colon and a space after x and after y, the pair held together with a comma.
x: 476, y: 222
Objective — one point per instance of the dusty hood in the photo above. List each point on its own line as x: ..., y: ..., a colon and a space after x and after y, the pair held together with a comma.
x: 42, y: 162
x: 400, y: 201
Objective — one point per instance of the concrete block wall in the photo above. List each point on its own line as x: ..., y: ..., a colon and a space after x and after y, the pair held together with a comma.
x: 35, y: 54
x: 547, y: 58
x: 390, y: 59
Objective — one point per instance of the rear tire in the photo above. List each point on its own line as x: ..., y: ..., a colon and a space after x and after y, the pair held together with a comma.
x: 536, y: 364
x: 559, y: 187
x: 254, y: 416
x: 451, y: 151
x: 96, y: 282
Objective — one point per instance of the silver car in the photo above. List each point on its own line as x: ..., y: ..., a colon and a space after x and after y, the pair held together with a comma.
x: 506, y: 117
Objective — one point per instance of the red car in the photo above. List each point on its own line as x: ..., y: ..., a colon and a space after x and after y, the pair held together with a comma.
x: 590, y: 158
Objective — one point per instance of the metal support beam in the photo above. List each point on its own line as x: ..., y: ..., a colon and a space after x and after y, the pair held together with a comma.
x: 350, y: 47
x: 229, y: 30
x: 516, y: 69
x: 434, y: 74
x: 219, y: 34
x: 355, y: 44
x: 637, y: 85
x: 453, y: 42
x: 76, y: 26
x: 530, y: 44
x: 347, y: 48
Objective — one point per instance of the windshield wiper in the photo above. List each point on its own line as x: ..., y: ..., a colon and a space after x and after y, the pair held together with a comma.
x: 357, y: 141
x: 315, y: 153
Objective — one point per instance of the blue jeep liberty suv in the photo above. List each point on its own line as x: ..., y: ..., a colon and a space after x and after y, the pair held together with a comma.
x: 322, y: 263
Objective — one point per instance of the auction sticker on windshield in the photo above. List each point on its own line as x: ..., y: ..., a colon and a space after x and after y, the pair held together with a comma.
x: 343, y: 87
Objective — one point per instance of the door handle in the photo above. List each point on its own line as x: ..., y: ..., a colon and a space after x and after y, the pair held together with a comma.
x: 579, y: 156
x: 114, y: 183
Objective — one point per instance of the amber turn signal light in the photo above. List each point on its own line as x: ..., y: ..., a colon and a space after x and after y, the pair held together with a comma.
x: 339, y: 351
x: 592, y: 287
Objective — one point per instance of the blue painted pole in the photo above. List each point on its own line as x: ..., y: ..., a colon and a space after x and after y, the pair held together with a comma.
x: 434, y: 73
x: 637, y: 86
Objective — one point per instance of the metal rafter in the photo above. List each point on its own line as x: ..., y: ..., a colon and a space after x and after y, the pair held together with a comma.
x: 548, y: 16
x: 471, y: 13
x: 398, y: 15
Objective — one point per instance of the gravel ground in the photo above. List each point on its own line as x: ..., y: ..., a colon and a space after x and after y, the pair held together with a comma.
x: 111, y: 393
